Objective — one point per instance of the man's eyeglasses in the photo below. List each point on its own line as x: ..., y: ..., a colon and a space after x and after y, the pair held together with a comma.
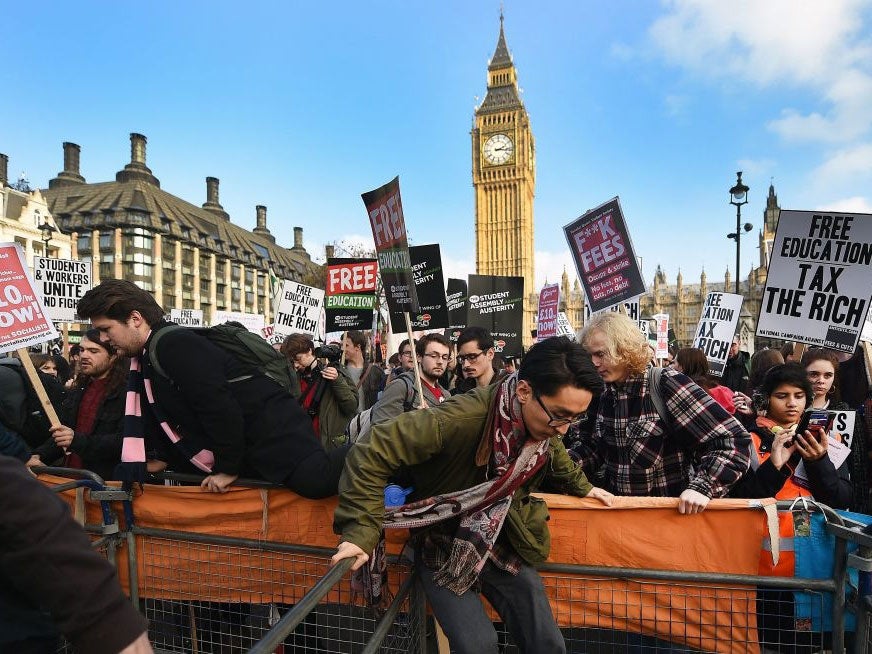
x: 556, y: 421
x: 436, y: 356
x: 471, y: 357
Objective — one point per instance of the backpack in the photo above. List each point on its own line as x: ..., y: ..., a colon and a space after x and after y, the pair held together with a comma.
x: 362, y: 422
x: 245, y: 346
x: 20, y: 408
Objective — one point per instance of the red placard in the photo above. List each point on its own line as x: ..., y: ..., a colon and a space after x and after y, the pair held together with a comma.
x: 23, y: 319
x: 549, y: 301
x: 352, y: 277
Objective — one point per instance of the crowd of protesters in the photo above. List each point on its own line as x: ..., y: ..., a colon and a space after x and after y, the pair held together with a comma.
x: 607, y: 419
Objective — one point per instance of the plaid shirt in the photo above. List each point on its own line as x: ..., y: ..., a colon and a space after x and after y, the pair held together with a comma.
x: 703, y: 448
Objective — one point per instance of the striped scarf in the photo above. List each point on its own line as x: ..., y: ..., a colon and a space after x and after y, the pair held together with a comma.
x: 512, y: 460
x: 133, y: 468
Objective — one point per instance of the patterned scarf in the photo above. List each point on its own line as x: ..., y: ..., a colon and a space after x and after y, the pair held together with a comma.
x: 512, y: 460
x: 132, y: 468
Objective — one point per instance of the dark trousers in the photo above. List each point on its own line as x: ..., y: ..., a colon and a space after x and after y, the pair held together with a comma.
x: 317, y: 476
x: 520, y: 601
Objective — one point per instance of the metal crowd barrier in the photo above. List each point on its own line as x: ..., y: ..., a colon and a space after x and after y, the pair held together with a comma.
x: 318, y: 611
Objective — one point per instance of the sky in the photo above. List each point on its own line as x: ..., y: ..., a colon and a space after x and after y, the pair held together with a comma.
x: 303, y: 106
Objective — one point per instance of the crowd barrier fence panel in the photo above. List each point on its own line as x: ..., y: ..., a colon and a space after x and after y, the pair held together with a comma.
x: 206, y: 592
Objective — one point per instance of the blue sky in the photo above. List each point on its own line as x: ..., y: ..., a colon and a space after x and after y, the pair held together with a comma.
x: 303, y: 106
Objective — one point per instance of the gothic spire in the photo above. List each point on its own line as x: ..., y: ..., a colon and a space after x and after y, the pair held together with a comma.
x: 501, y: 57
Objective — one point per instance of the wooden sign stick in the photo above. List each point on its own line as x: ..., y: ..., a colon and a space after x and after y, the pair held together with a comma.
x: 36, y: 382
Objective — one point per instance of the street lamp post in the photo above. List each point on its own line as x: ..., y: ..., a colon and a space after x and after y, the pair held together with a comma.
x: 47, y: 233
x: 738, y: 197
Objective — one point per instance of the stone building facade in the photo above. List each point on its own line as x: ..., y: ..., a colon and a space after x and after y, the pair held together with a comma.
x: 22, y: 213
x: 188, y: 256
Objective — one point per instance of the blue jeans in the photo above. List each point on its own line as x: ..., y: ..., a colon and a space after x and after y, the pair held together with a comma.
x: 519, y: 600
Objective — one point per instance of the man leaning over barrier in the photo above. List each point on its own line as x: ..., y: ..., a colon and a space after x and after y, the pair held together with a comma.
x: 210, y: 412
x: 691, y: 448
x: 473, y: 461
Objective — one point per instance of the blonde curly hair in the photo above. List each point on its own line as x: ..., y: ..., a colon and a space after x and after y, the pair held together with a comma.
x: 624, y: 341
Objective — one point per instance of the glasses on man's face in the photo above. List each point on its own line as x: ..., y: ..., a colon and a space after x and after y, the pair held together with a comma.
x: 471, y: 357
x: 556, y: 421
x: 436, y: 356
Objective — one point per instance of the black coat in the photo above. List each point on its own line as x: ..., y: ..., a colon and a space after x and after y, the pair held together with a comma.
x: 253, y: 427
x: 101, y: 449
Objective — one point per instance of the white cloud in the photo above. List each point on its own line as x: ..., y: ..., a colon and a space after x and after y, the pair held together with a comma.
x: 813, y: 45
x: 752, y: 168
x: 845, y: 164
x: 550, y: 267
x: 856, y: 204
x: 455, y: 268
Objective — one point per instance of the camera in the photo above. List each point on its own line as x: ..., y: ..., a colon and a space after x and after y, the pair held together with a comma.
x: 330, y: 352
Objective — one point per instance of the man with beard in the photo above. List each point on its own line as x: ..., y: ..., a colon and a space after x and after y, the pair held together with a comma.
x: 92, y: 413
x: 433, y: 353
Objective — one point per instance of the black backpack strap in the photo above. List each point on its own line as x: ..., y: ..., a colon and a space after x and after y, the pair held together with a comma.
x: 654, y: 375
x: 152, y: 348
x: 409, y: 402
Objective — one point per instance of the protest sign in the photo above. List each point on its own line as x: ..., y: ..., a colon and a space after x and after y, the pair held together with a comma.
x: 564, y: 327
x: 298, y: 309
x: 631, y: 307
x: 603, y: 253
x: 866, y: 334
x: 271, y: 336
x: 455, y: 296
x: 61, y: 283
x: 23, y: 319
x: 253, y: 322
x: 818, y: 283
x: 385, y: 209
x: 350, y: 295
x: 496, y: 303
x: 187, y: 317
x: 661, y: 349
x: 430, y: 287
x: 549, y: 301
x: 716, y: 328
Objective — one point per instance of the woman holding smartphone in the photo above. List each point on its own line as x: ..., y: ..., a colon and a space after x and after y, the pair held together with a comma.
x: 786, y: 393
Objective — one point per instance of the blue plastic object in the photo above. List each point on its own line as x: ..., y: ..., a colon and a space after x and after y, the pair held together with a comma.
x: 395, y: 495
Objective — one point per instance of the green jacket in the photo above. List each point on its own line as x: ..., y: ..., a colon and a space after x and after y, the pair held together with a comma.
x: 338, y: 406
x: 438, y: 446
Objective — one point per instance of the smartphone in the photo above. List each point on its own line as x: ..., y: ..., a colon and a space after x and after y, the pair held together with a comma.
x: 813, y: 420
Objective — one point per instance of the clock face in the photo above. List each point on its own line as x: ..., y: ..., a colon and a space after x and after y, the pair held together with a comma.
x: 498, y: 149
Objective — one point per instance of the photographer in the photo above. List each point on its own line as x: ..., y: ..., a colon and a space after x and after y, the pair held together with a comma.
x: 327, y: 393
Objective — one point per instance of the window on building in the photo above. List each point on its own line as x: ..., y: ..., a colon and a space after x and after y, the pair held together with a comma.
x: 169, y: 302
x: 235, y: 273
x: 205, y: 267
x: 107, y: 271
x: 220, y: 268
x: 107, y: 240
x: 83, y: 244
x: 261, y: 250
x: 205, y: 288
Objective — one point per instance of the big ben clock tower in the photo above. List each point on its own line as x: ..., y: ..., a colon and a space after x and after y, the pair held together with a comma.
x: 504, y: 177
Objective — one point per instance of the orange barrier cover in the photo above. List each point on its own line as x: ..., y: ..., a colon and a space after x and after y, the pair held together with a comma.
x: 644, y: 533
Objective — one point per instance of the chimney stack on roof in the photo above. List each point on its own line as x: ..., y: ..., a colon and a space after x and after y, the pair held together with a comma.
x: 4, y: 170
x: 261, y: 227
x: 298, y: 239
x: 136, y: 170
x: 212, y: 204
x: 70, y: 175
x: 329, y: 250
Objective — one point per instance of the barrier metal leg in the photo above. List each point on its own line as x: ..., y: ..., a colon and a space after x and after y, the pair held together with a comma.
x: 418, y: 609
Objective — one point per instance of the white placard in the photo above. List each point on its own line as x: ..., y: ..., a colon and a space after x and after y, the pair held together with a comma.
x: 298, y: 309
x: 631, y: 306
x: 187, y: 317
x: 564, y: 328
x: 716, y: 328
x: 819, y: 279
x: 253, y: 322
x: 61, y: 283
